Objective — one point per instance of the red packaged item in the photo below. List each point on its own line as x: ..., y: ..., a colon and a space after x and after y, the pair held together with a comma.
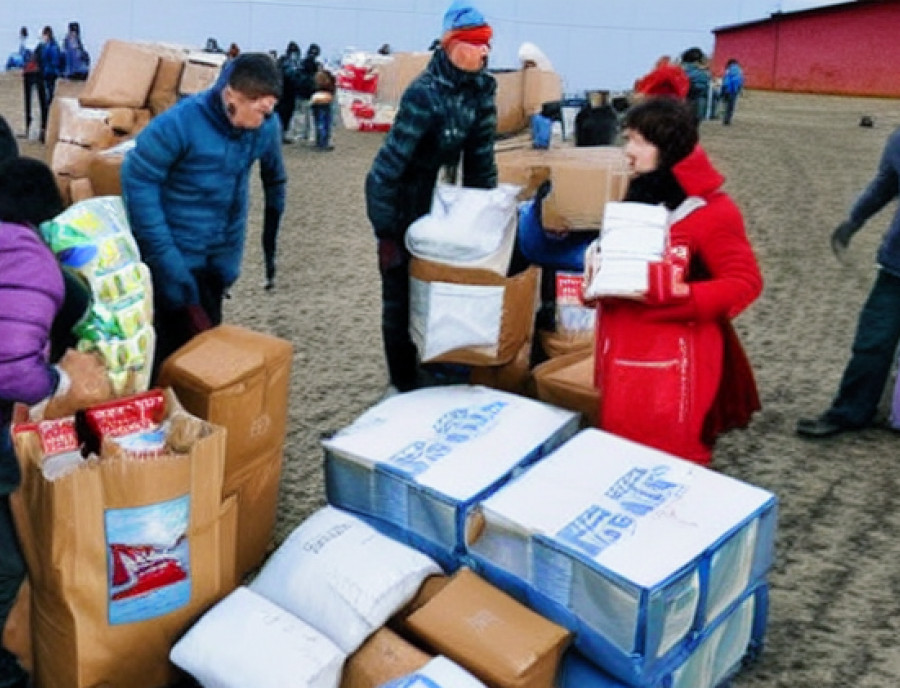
x: 60, y: 447
x: 123, y: 417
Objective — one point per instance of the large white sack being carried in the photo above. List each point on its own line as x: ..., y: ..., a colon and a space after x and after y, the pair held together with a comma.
x: 342, y: 576
x: 246, y: 640
x: 440, y: 672
x: 467, y: 227
x: 633, y: 549
x: 420, y: 461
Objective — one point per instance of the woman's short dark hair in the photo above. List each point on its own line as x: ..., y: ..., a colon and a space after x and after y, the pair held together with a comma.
x: 667, y: 123
x: 28, y: 192
x: 255, y: 75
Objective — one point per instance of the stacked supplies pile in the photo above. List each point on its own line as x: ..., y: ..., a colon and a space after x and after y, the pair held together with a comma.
x: 125, y: 537
x: 417, y: 463
x: 656, y: 564
x: 340, y: 605
x: 88, y: 131
x: 239, y: 379
x: 633, y: 236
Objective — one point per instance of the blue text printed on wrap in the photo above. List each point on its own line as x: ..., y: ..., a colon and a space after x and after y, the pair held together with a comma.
x: 452, y: 429
x: 639, y: 492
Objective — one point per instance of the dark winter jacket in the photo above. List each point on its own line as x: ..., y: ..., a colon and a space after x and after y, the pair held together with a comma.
x: 185, y: 186
x: 446, y: 117
x: 77, y: 60
x: 884, y: 188
x: 31, y: 292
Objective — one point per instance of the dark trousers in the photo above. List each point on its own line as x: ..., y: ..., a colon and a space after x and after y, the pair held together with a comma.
x: 35, y: 81
x: 729, y: 102
x: 873, y: 352
x: 175, y: 327
x: 399, y: 350
x: 49, y: 89
x: 322, y: 114
x: 12, y: 566
x: 286, y: 106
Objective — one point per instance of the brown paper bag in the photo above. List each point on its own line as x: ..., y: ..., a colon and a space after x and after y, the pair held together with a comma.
x: 123, y: 555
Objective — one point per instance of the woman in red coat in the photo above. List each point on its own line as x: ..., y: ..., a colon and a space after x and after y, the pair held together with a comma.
x: 670, y: 369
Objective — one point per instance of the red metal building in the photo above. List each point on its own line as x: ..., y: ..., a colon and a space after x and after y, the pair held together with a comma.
x: 848, y: 49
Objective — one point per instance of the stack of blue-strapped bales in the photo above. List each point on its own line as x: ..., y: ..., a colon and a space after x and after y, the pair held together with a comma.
x: 656, y: 564
x: 416, y: 464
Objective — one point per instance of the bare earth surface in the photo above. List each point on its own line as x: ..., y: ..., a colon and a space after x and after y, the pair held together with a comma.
x: 794, y: 164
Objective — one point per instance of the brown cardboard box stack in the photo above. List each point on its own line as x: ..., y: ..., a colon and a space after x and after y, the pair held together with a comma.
x: 239, y: 379
x: 521, y: 93
x: 131, y: 83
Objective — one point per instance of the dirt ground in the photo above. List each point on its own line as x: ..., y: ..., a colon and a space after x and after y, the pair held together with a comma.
x: 794, y: 163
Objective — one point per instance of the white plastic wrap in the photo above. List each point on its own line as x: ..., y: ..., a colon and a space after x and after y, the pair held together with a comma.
x: 342, y: 576
x: 246, y: 640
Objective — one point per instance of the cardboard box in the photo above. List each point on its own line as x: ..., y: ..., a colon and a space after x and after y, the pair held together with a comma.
x: 88, y: 127
x: 567, y: 381
x: 430, y: 587
x: 104, y: 170
x: 384, y: 657
x: 540, y: 87
x: 395, y: 74
x: 256, y: 492
x: 510, y: 100
x: 486, y: 631
x: 80, y: 189
x: 122, y: 76
x: 516, y: 325
x: 555, y: 344
x: 197, y: 76
x: 584, y: 180
x: 164, y: 89
x: 239, y: 379
x: 514, y: 376
x: 228, y: 523
x: 71, y: 160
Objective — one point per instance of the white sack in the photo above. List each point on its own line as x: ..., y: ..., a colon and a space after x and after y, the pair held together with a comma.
x: 245, y: 640
x: 342, y: 576
x: 467, y: 227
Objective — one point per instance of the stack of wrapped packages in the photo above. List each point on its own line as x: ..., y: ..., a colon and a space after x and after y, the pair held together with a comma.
x: 136, y: 512
x: 125, y: 537
x: 370, y: 86
x: 471, y: 539
x: 91, y: 128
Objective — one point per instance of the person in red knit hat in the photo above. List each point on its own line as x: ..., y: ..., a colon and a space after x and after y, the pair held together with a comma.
x: 666, y: 79
x: 670, y: 369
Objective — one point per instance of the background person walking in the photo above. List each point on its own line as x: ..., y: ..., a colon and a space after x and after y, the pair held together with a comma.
x: 878, y: 329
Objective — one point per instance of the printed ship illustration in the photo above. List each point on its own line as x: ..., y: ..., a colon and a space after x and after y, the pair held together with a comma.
x: 141, y: 569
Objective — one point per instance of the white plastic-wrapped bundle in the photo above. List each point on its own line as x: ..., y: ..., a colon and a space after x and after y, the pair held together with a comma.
x: 709, y: 660
x: 467, y: 227
x: 417, y: 462
x: 633, y: 549
x: 94, y: 238
x: 246, y: 640
x: 440, y: 672
x: 342, y: 576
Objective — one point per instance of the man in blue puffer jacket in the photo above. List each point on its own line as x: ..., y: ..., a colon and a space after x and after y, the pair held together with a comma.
x: 446, y: 118
x: 185, y: 186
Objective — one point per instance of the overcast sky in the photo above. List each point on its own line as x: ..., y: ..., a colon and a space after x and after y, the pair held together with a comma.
x: 591, y: 43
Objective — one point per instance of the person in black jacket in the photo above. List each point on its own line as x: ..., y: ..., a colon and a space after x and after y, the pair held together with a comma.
x: 446, y: 118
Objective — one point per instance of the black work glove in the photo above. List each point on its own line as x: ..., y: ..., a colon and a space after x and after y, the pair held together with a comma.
x: 840, y: 237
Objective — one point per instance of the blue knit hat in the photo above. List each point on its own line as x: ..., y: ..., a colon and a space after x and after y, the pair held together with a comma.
x: 462, y: 15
